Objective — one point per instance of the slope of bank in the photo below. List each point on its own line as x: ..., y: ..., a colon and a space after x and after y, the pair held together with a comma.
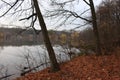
x: 83, y: 68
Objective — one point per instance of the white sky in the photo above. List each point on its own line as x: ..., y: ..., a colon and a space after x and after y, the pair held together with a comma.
x: 9, y: 20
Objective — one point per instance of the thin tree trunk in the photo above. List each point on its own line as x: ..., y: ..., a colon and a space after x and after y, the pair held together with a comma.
x: 95, y: 29
x: 53, y: 61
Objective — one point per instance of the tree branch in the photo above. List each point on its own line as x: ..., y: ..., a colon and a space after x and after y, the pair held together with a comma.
x: 80, y: 26
x: 34, y: 20
x: 61, y: 4
x: 4, y: 77
x: 19, y: 4
x: 34, y: 14
x: 23, y: 73
x: 77, y: 16
x: 60, y: 12
x: 84, y: 11
x: 6, y: 2
x: 86, y: 2
x: 9, y: 9
x: 32, y: 25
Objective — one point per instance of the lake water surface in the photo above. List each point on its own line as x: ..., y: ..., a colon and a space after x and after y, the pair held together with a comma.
x: 15, y: 58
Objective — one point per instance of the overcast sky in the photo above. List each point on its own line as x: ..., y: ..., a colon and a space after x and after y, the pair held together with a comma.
x: 9, y: 20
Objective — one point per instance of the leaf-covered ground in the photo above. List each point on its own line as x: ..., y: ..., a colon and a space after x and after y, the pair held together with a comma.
x: 83, y: 68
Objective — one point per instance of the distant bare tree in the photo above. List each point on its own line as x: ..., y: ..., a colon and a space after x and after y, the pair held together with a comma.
x: 65, y: 13
x: 108, y: 18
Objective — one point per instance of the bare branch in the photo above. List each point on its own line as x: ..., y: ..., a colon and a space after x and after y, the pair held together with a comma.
x: 77, y: 16
x: 86, y: 2
x: 64, y: 20
x: 84, y: 11
x: 19, y: 4
x: 61, y: 4
x: 6, y: 2
x: 34, y: 19
x: 9, y: 9
x: 6, y: 76
x: 62, y: 11
x: 80, y: 26
x: 21, y: 10
x: 34, y: 14
x: 28, y: 71
x: 32, y: 25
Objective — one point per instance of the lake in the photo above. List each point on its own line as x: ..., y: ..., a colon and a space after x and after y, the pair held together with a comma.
x: 13, y: 59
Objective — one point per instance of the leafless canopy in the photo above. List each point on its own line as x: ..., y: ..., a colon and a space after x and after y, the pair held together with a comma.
x: 67, y: 12
x: 18, y: 8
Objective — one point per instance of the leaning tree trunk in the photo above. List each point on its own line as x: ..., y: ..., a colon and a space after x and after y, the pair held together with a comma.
x: 53, y: 61
x: 95, y: 29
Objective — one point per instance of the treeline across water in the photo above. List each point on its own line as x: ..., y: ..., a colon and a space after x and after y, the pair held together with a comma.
x: 19, y: 36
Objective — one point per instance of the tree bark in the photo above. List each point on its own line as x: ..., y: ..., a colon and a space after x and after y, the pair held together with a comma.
x: 51, y: 53
x: 95, y: 29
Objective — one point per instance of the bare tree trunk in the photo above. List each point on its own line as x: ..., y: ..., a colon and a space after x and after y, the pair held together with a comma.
x: 53, y: 61
x: 95, y: 29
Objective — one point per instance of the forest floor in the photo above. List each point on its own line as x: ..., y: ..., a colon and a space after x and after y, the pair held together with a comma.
x: 90, y: 67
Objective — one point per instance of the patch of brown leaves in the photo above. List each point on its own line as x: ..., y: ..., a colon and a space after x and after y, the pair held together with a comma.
x: 82, y: 68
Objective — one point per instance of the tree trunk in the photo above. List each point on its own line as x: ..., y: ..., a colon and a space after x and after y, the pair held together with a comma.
x: 95, y: 29
x: 53, y: 61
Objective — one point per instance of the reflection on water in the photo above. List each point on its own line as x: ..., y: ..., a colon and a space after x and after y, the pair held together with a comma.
x: 15, y: 58
x: 1, y: 48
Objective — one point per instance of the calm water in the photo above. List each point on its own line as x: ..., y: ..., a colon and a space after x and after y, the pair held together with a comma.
x: 15, y: 58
